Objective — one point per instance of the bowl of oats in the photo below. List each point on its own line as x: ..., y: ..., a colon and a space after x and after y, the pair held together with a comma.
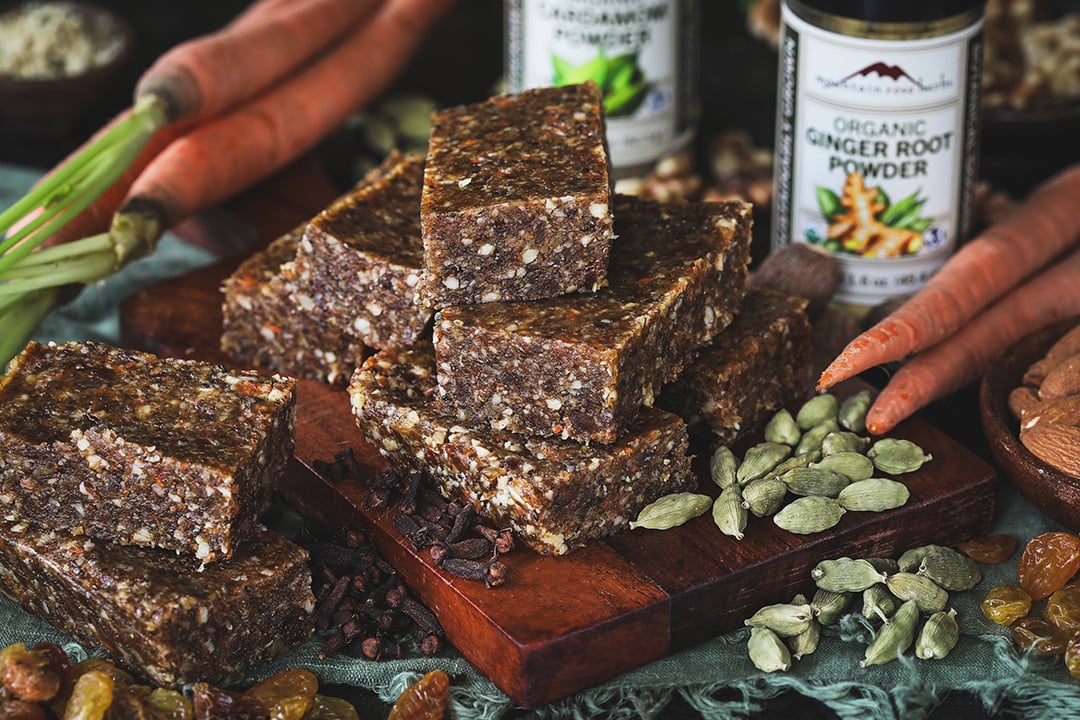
x: 57, y: 57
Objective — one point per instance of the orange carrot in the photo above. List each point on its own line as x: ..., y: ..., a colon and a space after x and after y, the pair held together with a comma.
x: 222, y: 156
x: 209, y: 74
x: 1052, y: 295
x: 1040, y: 229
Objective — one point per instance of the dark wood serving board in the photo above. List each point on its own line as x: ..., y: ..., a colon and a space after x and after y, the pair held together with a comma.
x: 559, y: 625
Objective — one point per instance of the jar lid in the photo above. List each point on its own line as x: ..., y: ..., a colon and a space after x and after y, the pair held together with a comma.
x: 896, y: 11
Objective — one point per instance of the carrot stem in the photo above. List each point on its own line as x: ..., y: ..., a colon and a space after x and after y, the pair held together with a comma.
x: 21, y: 319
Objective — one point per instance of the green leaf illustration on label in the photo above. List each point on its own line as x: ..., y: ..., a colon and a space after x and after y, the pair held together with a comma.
x: 620, y: 79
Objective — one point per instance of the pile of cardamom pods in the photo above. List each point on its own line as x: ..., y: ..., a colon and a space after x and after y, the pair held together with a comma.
x: 896, y: 593
x: 819, y: 455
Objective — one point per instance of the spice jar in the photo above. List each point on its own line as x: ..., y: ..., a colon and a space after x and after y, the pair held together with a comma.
x: 877, y: 136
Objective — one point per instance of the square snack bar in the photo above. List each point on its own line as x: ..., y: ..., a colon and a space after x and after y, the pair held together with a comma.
x: 761, y: 363
x: 516, y: 198
x: 580, y: 366
x: 127, y: 447
x: 157, y: 613
x: 360, y: 259
x: 263, y: 327
x: 555, y: 494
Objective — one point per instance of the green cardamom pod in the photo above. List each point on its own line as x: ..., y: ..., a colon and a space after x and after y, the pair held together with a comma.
x: 671, y: 510
x: 912, y: 558
x: 852, y: 412
x: 895, y: 637
x: 855, y: 466
x: 812, y: 438
x: 878, y: 603
x: 897, y: 456
x: 815, y: 481
x: 874, y: 495
x: 817, y: 410
x: 927, y: 594
x: 722, y: 466
x: 829, y: 606
x: 843, y: 441
x: 728, y: 512
x: 808, y: 515
x: 784, y: 619
x: 760, y: 459
x: 783, y: 429
x: 794, y: 461
x: 938, y: 636
x: 950, y: 569
x: 764, y: 496
x: 846, y: 575
x: 884, y: 565
x: 805, y: 642
x: 799, y: 599
x: 767, y: 651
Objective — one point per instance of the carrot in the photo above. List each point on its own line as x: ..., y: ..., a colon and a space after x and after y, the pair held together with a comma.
x: 222, y: 156
x: 1042, y: 228
x: 1047, y: 297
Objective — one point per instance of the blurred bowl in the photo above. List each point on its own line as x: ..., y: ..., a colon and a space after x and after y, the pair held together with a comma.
x: 50, y: 106
x: 1054, y: 493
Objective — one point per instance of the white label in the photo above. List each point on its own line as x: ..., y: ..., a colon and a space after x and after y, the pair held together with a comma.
x: 633, y: 49
x: 873, y: 143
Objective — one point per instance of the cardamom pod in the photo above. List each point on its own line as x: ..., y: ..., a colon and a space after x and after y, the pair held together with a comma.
x: 829, y: 606
x: 767, y: 651
x: 794, y: 461
x: 815, y: 481
x: 897, y: 456
x: 805, y: 642
x: 672, y: 510
x: 874, y: 495
x: 938, y: 636
x: 799, y: 599
x: 950, y: 569
x: 728, y: 512
x: 782, y: 428
x: 816, y: 410
x: 912, y: 558
x: 808, y: 515
x: 855, y: 466
x: 927, y: 594
x: 843, y: 441
x: 812, y: 438
x: 846, y: 575
x: 894, y: 637
x: 884, y: 565
x: 852, y: 412
x: 722, y: 466
x: 760, y: 459
x: 784, y: 619
x: 878, y: 603
x: 764, y: 496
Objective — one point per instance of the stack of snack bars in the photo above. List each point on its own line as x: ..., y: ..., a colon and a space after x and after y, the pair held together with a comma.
x: 132, y: 488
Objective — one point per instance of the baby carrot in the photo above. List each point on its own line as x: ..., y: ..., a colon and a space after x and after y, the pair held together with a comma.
x: 961, y: 359
x: 1040, y: 229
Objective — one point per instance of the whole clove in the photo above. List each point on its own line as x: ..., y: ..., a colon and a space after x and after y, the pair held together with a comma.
x: 491, y: 573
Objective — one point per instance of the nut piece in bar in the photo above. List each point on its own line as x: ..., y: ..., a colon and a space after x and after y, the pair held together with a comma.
x: 158, y: 614
x: 761, y: 363
x: 580, y: 366
x: 516, y: 198
x: 555, y: 494
x: 262, y: 327
x: 127, y: 447
x: 360, y: 260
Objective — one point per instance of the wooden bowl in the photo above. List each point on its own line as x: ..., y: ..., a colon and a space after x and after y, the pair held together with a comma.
x: 1054, y: 493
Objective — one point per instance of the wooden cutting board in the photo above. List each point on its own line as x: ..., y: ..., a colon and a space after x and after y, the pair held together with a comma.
x: 559, y: 625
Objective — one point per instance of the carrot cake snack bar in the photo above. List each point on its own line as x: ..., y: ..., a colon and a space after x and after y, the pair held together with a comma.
x: 360, y: 259
x: 555, y: 494
x: 761, y: 363
x: 127, y: 447
x: 262, y: 327
x: 580, y: 366
x: 157, y: 613
x: 516, y: 198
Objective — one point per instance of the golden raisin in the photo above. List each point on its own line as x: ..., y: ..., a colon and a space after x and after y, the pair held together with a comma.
x: 324, y: 707
x: 90, y: 697
x: 170, y: 704
x: 1048, y: 563
x: 21, y: 710
x: 1006, y: 604
x: 989, y: 549
x: 1063, y: 608
x: 1038, y: 634
x: 213, y: 703
x: 1072, y: 656
x: 288, y: 694
x: 31, y: 675
x: 425, y: 699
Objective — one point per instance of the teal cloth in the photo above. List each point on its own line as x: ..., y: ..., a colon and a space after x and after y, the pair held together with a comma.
x: 715, y: 677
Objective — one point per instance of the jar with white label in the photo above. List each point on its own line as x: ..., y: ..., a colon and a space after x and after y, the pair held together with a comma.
x: 642, y: 54
x: 876, y: 149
